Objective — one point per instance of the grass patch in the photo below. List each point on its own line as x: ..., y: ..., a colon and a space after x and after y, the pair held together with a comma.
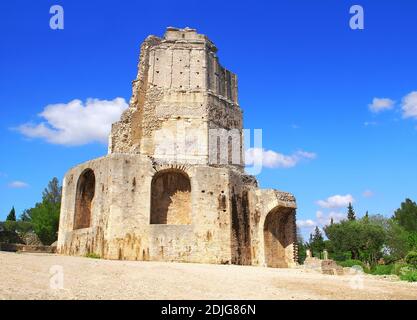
x: 382, y: 269
x: 93, y: 255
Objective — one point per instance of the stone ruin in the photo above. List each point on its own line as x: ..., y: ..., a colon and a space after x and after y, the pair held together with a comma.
x: 168, y: 190
x: 324, y: 266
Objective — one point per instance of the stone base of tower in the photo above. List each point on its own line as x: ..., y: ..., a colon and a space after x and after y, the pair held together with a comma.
x: 130, y: 207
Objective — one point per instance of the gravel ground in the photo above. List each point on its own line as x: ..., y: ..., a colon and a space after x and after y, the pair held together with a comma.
x: 29, y: 276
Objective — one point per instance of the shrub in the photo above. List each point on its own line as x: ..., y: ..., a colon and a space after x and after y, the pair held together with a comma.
x: 382, y: 269
x: 398, y: 268
x: 93, y: 255
x: 9, y: 237
x: 18, y: 226
x: 410, y: 276
x: 411, y: 258
x: 351, y: 262
x: 340, y: 256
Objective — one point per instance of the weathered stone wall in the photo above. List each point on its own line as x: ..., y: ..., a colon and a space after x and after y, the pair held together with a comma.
x: 181, y: 92
x: 282, y: 207
x: 121, y: 225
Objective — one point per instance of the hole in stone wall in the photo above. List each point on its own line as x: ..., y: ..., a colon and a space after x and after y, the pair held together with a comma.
x: 171, y: 198
x: 83, y: 199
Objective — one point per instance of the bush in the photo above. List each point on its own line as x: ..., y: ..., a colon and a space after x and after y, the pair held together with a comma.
x: 18, y: 226
x: 398, y: 267
x: 351, y: 262
x: 9, y: 237
x: 93, y: 255
x: 340, y: 256
x: 382, y: 269
x: 45, y: 221
x: 410, y: 276
x: 411, y: 258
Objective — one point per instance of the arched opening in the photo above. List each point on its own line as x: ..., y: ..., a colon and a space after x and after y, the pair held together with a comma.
x: 171, y: 198
x: 278, y: 236
x: 84, y: 196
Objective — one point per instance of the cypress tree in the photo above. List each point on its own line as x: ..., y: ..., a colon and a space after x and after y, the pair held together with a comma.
x: 351, y: 213
x: 12, y: 215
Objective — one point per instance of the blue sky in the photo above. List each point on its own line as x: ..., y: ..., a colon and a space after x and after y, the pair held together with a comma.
x: 305, y: 78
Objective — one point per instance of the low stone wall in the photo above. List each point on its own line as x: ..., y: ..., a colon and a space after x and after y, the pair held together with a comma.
x: 323, y: 266
x: 11, y: 247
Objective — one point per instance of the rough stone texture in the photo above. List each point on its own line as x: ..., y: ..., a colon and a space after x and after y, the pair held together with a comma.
x: 326, y: 266
x: 30, y: 239
x: 169, y: 190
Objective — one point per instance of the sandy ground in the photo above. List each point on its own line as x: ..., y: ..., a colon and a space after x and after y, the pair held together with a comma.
x: 29, y: 276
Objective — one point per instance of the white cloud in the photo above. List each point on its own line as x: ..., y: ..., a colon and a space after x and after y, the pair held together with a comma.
x: 409, y: 105
x: 306, y: 223
x: 272, y: 159
x: 368, y: 194
x: 322, y: 219
x: 325, y: 219
x: 336, y: 201
x: 18, y: 185
x: 381, y: 104
x: 76, y: 123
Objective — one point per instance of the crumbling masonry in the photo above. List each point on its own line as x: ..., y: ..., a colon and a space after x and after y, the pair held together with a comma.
x: 164, y: 191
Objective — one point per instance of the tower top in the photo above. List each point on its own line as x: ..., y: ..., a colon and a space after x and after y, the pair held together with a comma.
x: 181, y: 93
x: 185, y: 35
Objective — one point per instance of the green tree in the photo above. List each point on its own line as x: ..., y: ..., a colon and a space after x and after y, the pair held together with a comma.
x: 364, y: 240
x: 397, y: 241
x: 366, y: 217
x: 26, y: 215
x: 45, y: 221
x: 45, y: 215
x: 301, y: 247
x: 406, y: 215
x: 53, y: 192
x: 316, y: 243
x: 12, y: 215
x: 351, y: 213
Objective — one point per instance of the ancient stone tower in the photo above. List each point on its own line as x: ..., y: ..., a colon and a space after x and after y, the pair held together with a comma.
x: 173, y: 186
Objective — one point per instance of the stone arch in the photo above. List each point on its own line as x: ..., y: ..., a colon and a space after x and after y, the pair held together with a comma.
x: 171, y: 197
x: 84, y: 196
x: 278, y: 237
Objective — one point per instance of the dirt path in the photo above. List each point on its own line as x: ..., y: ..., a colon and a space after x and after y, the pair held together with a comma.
x: 27, y: 276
